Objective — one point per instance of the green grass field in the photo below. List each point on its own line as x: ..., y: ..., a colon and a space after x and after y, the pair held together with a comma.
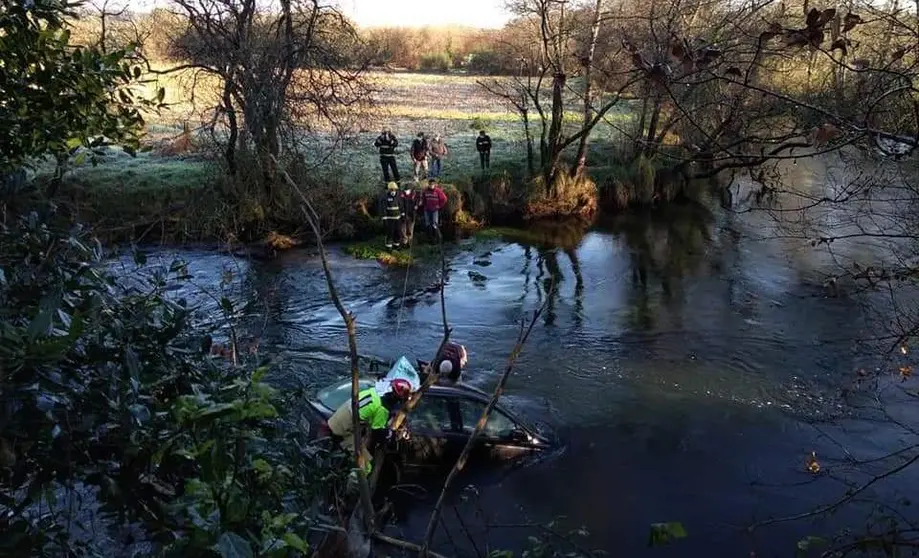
x: 454, y: 106
x: 121, y: 189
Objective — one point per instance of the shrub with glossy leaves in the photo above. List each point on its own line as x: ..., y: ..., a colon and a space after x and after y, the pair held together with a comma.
x: 56, y: 97
x: 109, y: 389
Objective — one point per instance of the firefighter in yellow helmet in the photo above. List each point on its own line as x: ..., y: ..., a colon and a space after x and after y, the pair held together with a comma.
x: 392, y: 215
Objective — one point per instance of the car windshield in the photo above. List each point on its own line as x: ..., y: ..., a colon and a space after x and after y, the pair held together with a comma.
x: 335, y: 395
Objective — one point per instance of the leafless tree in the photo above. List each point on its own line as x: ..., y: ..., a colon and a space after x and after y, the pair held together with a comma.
x: 554, y: 24
x: 284, y: 69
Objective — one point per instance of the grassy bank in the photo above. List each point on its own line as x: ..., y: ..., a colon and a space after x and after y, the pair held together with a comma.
x: 171, y: 192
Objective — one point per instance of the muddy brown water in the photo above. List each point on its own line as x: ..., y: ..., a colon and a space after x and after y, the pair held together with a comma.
x: 689, y: 362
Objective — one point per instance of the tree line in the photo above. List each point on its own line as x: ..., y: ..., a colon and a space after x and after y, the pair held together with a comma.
x: 715, y: 87
x: 429, y: 48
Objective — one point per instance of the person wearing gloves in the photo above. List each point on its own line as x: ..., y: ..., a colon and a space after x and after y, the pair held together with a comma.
x: 374, y: 410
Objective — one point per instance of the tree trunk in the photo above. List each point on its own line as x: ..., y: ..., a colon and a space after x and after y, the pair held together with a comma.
x: 524, y: 114
x: 230, y: 151
x: 650, y: 146
x: 268, y: 152
x: 581, y: 158
x: 555, y: 132
x: 642, y: 119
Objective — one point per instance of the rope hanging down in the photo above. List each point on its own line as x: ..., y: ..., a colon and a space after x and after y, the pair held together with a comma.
x: 411, y: 244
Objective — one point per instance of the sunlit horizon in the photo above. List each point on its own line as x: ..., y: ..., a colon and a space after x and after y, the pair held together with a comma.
x: 486, y: 14
x: 421, y: 13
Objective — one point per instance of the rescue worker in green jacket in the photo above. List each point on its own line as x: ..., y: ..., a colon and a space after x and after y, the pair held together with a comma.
x: 374, y: 410
x: 392, y: 215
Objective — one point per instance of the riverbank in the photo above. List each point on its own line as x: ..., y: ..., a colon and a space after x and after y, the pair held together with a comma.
x: 181, y: 200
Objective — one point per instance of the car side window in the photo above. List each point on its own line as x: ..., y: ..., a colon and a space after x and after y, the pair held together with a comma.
x: 498, y: 425
x: 430, y: 414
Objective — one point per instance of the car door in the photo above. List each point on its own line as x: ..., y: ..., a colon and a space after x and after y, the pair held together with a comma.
x: 432, y: 433
x: 500, y: 440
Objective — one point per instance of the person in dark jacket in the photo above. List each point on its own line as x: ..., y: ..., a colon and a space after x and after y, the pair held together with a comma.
x: 387, y: 143
x: 483, y: 146
x: 420, y: 157
x: 408, y: 198
x: 451, y: 362
x: 392, y: 215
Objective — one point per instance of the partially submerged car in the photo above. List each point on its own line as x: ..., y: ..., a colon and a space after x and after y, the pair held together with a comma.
x: 439, y: 427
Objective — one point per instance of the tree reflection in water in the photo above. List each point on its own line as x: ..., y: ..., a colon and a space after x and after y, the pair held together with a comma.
x: 665, y: 245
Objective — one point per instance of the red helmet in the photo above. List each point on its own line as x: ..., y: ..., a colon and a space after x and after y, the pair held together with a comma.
x: 401, y: 388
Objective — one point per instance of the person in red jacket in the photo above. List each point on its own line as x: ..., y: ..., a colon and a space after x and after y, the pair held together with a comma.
x: 433, y: 199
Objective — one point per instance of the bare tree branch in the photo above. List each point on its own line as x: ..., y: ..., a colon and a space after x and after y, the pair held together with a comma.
x: 312, y: 219
x: 480, y: 425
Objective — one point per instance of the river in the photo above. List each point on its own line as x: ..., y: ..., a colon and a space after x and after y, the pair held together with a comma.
x: 690, y: 362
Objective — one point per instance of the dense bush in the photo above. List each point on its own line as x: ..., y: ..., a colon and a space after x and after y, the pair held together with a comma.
x: 109, y: 392
x: 491, y: 62
x: 57, y: 96
x: 435, y: 62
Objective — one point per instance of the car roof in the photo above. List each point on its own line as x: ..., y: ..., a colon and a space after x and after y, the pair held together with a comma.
x: 460, y: 389
x: 457, y: 389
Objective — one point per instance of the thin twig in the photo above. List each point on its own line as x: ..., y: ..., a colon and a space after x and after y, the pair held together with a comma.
x: 432, y: 372
x: 480, y: 425
x: 560, y: 536
x: 852, y: 493
x: 895, y: 540
x: 459, y: 518
x: 313, y: 219
x: 403, y: 544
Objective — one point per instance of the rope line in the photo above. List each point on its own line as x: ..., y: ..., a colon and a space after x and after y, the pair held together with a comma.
x: 411, y: 245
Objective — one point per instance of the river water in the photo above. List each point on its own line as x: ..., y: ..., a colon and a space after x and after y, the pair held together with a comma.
x: 690, y: 362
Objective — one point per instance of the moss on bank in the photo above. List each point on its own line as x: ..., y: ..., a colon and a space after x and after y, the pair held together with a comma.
x: 375, y: 249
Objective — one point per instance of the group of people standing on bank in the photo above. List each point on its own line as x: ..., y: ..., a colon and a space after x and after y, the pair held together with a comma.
x: 426, y: 154
x: 402, y: 208
x: 401, y: 205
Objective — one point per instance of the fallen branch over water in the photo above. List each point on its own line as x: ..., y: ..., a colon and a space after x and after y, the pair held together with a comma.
x: 499, y: 390
x: 312, y: 218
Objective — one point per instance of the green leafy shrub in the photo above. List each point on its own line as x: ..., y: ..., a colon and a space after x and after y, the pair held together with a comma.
x: 435, y: 62
x: 109, y: 391
x: 58, y: 96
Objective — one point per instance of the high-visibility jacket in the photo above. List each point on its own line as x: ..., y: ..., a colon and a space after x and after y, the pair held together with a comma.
x: 371, y: 409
